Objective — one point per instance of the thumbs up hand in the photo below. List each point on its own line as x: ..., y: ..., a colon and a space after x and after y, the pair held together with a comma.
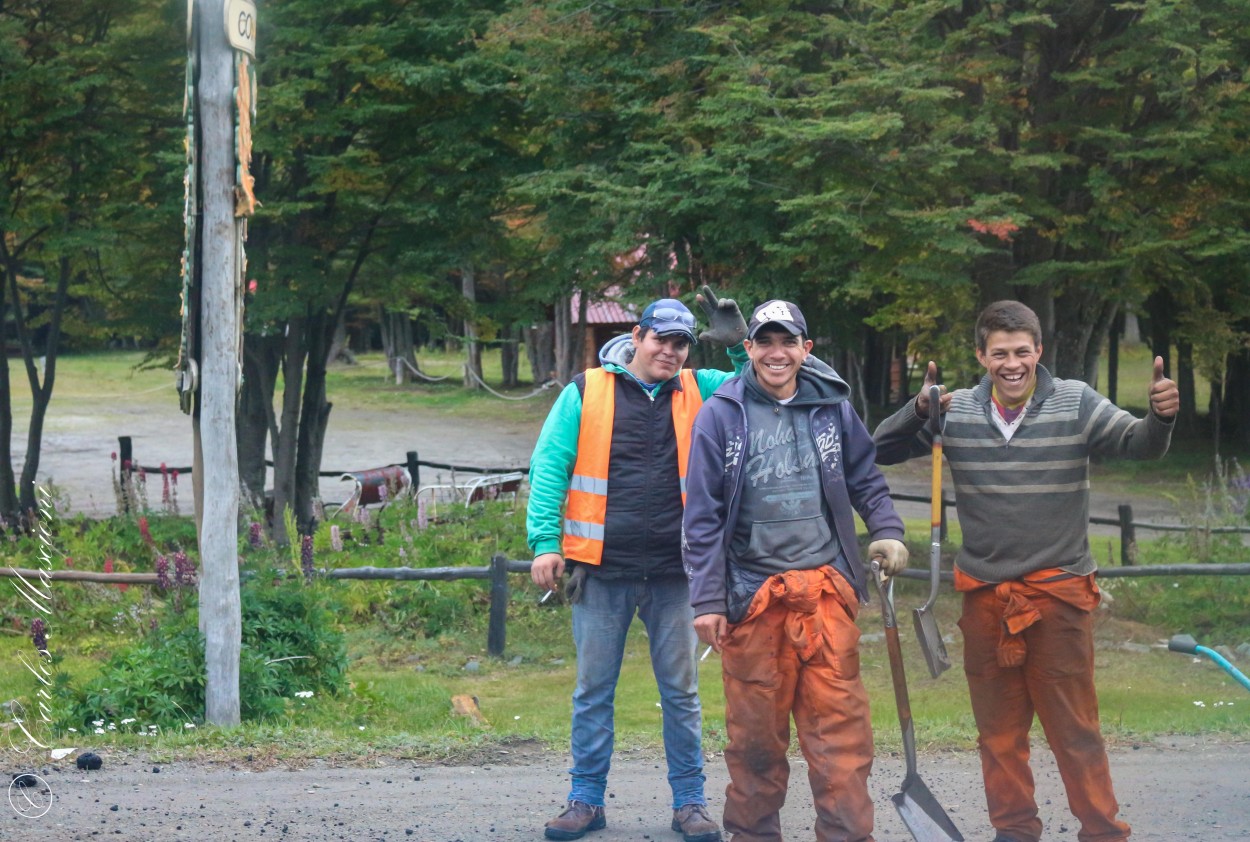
x: 1165, y: 398
x: 922, y: 399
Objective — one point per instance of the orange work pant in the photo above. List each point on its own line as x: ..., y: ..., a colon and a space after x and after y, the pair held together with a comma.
x: 797, y: 652
x: 1055, y: 681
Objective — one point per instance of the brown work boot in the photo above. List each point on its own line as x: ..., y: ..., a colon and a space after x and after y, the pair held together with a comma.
x: 576, y: 821
x: 694, y: 824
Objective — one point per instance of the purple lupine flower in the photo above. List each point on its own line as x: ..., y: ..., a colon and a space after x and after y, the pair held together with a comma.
x: 39, y: 634
x: 184, y: 570
x: 165, y: 496
x: 254, y: 535
x: 423, y: 519
x: 306, y: 557
x: 382, y: 494
x: 336, y: 538
x: 162, y: 573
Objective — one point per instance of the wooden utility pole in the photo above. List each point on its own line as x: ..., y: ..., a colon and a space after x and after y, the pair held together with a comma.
x: 219, y: 271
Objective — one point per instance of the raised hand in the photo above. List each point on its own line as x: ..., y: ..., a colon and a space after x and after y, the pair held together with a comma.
x: 930, y: 380
x: 724, y: 319
x: 1165, y: 398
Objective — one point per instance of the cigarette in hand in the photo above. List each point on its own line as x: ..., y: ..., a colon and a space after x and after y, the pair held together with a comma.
x: 546, y: 596
x: 706, y: 652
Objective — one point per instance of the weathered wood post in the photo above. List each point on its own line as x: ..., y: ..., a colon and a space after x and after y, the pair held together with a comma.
x: 125, y: 464
x: 220, y: 27
x: 496, y: 637
x: 1128, y: 536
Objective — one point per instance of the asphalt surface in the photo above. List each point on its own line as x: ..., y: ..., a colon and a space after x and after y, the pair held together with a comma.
x: 1173, y: 790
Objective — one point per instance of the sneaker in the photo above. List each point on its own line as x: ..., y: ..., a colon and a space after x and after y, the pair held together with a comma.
x: 694, y: 824
x: 576, y: 821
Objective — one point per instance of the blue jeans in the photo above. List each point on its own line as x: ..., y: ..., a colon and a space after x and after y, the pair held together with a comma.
x: 600, y: 622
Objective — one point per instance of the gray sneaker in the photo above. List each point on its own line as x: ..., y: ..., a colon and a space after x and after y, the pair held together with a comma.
x: 576, y: 821
x: 694, y: 824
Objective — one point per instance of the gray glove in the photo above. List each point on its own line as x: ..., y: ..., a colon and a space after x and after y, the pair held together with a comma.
x: 724, y: 319
x: 573, y: 588
x: 891, y: 553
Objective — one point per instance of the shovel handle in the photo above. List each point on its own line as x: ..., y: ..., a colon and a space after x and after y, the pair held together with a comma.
x: 935, y: 509
x: 894, y: 648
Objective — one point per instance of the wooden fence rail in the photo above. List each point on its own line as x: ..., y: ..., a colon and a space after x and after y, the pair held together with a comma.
x: 500, y: 592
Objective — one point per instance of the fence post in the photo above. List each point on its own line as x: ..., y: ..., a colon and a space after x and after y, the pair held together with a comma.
x: 125, y: 460
x: 414, y: 470
x: 497, y: 635
x: 1128, y: 536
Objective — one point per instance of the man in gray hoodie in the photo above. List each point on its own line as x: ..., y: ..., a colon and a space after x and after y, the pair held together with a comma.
x: 779, y: 464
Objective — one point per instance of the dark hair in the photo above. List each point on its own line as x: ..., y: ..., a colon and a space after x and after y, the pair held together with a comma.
x: 1008, y: 316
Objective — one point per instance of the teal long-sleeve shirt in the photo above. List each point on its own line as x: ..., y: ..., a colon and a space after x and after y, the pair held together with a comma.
x: 555, y: 453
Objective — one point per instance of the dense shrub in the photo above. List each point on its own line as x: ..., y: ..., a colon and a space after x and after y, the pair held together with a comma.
x: 291, y: 642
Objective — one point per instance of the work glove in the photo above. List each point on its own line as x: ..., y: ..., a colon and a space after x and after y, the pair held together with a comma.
x: 724, y: 319
x: 573, y: 588
x: 891, y: 553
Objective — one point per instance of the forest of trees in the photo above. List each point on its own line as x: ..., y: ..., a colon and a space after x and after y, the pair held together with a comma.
x: 463, y: 167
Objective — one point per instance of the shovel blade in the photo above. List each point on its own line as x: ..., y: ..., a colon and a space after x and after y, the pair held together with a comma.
x: 931, y: 642
x: 923, y: 815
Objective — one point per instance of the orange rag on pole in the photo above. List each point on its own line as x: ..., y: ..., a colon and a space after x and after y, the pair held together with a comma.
x: 1019, y: 612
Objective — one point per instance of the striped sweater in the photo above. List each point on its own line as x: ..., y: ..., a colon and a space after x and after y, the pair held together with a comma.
x: 1023, y: 504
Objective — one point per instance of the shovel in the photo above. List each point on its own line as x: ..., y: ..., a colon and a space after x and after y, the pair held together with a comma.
x: 1185, y: 643
x: 921, y: 813
x: 926, y: 622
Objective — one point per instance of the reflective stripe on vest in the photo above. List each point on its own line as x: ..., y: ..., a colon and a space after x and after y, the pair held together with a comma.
x: 587, y: 507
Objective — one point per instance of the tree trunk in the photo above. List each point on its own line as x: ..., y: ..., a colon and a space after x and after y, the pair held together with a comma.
x: 262, y: 356
x: 314, y: 415
x: 397, y: 344
x: 509, y: 356
x: 40, y: 393
x: 473, y: 351
x: 338, y: 350
x: 1236, y: 403
x: 569, y: 338
x: 1113, y: 355
x: 540, y: 348
x: 1077, y: 313
x: 9, y: 511
x: 1187, y: 416
x: 285, y: 438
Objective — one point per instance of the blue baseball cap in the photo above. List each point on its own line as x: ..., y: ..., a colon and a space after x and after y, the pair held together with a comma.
x: 668, y: 316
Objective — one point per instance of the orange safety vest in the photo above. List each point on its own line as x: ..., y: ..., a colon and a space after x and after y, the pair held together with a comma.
x: 587, y: 506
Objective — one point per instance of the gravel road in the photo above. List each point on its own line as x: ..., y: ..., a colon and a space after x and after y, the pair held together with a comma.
x: 1172, y: 790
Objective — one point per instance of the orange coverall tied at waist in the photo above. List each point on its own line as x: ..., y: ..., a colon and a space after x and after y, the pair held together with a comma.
x: 797, y: 653
x: 1029, y: 649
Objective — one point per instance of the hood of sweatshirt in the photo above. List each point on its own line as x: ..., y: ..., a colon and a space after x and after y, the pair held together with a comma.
x: 617, y: 351
x: 818, y: 384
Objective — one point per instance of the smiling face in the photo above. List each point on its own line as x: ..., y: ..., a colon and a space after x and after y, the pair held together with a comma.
x: 776, y: 355
x: 1010, y: 358
x: 658, y: 358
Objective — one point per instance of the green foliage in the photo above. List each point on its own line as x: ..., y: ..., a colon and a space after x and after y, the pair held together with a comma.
x: 291, y: 642
x: 1211, y: 608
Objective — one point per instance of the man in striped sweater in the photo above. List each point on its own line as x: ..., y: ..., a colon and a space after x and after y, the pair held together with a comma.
x: 1018, y: 446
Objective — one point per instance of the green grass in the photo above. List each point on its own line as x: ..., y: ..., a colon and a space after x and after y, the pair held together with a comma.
x: 401, y: 704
